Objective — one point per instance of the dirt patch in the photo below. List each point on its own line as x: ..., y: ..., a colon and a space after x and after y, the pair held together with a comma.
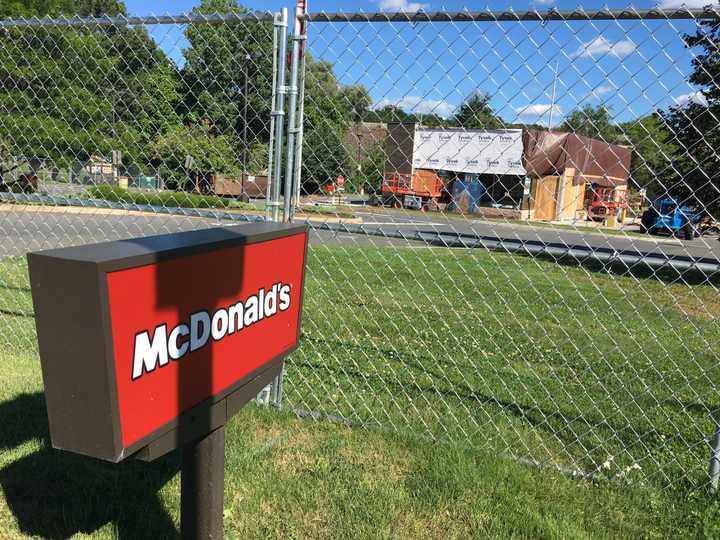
x: 707, y: 309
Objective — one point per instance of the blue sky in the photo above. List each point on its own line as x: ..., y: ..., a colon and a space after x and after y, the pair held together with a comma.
x: 632, y: 67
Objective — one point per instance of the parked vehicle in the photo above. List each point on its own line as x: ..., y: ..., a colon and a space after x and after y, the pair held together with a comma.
x: 420, y: 191
x: 669, y: 216
x: 606, y: 202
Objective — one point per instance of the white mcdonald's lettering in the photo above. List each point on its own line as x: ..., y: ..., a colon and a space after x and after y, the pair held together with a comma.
x: 151, y: 353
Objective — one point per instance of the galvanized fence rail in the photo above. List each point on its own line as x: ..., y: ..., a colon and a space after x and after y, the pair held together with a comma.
x: 480, y: 270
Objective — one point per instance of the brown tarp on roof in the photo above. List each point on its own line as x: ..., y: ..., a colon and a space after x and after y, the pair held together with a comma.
x: 547, y: 153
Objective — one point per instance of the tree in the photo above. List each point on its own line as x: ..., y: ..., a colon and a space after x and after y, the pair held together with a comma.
x: 220, y: 60
x: 696, y: 126
x: 328, y: 114
x: 53, y: 8
x: 210, y: 153
x: 370, y: 170
x: 653, y: 153
x: 477, y: 113
x: 356, y: 100
x: 593, y: 122
x: 66, y: 94
x: 387, y: 114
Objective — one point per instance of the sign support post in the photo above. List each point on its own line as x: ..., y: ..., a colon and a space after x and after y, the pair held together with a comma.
x: 202, y: 481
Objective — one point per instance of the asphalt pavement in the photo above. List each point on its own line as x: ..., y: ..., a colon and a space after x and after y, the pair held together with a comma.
x: 26, y: 229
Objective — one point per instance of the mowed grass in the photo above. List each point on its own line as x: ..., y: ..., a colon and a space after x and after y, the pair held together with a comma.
x: 493, y: 355
x: 578, y: 367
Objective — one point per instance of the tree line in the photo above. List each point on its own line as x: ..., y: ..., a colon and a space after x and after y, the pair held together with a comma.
x: 67, y: 94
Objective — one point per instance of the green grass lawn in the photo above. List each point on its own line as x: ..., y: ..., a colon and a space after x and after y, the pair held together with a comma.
x: 491, y: 355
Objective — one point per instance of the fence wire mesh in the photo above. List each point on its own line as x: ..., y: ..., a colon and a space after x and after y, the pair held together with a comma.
x: 546, y: 137
x: 513, y: 216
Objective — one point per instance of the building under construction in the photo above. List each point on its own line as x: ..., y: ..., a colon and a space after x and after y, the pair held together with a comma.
x: 514, y: 173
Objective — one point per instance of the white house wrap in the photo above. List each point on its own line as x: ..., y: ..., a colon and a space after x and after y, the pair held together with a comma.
x: 492, y: 151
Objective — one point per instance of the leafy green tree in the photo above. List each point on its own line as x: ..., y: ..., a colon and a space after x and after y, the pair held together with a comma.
x: 52, y: 8
x: 696, y: 126
x: 653, y: 153
x: 370, y: 171
x: 328, y: 114
x: 220, y: 60
x: 387, y: 114
x: 257, y: 158
x: 477, y: 113
x: 210, y: 153
x: 593, y: 122
x: 356, y: 100
x: 66, y: 93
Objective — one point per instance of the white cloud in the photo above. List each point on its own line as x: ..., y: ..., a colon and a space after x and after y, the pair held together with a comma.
x: 600, y: 91
x: 545, y: 2
x: 537, y: 109
x: 419, y: 105
x: 690, y: 4
x: 693, y: 97
x: 539, y: 113
x: 401, y: 5
x: 601, y: 46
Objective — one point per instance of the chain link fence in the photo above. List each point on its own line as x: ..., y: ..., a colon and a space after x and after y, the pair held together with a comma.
x: 513, y: 215
x: 501, y: 288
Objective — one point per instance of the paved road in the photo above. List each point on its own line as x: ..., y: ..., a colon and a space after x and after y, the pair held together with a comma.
x: 701, y: 247
x: 28, y: 230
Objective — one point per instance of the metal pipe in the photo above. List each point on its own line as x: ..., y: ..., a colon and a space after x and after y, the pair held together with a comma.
x: 192, y: 18
x: 579, y: 14
x: 292, y: 105
x: 554, y: 94
x: 715, y: 459
x: 279, y: 112
x: 297, y: 173
x: 245, y: 143
x: 271, y: 141
x: 201, y: 487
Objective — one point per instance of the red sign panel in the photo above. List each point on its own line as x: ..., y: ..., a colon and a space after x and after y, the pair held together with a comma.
x: 186, y: 329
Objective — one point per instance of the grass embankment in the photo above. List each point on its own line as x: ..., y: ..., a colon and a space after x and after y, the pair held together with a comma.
x: 183, y: 199
x: 502, y: 352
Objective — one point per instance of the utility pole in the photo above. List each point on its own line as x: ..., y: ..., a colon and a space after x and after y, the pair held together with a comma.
x: 245, y: 142
x: 552, y: 101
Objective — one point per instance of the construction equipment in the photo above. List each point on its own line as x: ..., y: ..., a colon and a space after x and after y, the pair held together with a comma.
x: 668, y: 216
x: 420, y: 191
x: 606, y: 202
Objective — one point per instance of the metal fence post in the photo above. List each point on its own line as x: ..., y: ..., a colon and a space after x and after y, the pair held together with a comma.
x: 715, y: 459
x: 292, y: 127
x: 278, y: 112
x: 297, y: 172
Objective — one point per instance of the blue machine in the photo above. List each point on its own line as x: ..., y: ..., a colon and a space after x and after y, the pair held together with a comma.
x: 668, y: 216
x: 466, y: 195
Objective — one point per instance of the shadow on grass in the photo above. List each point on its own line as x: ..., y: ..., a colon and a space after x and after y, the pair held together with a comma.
x: 11, y: 313
x: 56, y: 494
